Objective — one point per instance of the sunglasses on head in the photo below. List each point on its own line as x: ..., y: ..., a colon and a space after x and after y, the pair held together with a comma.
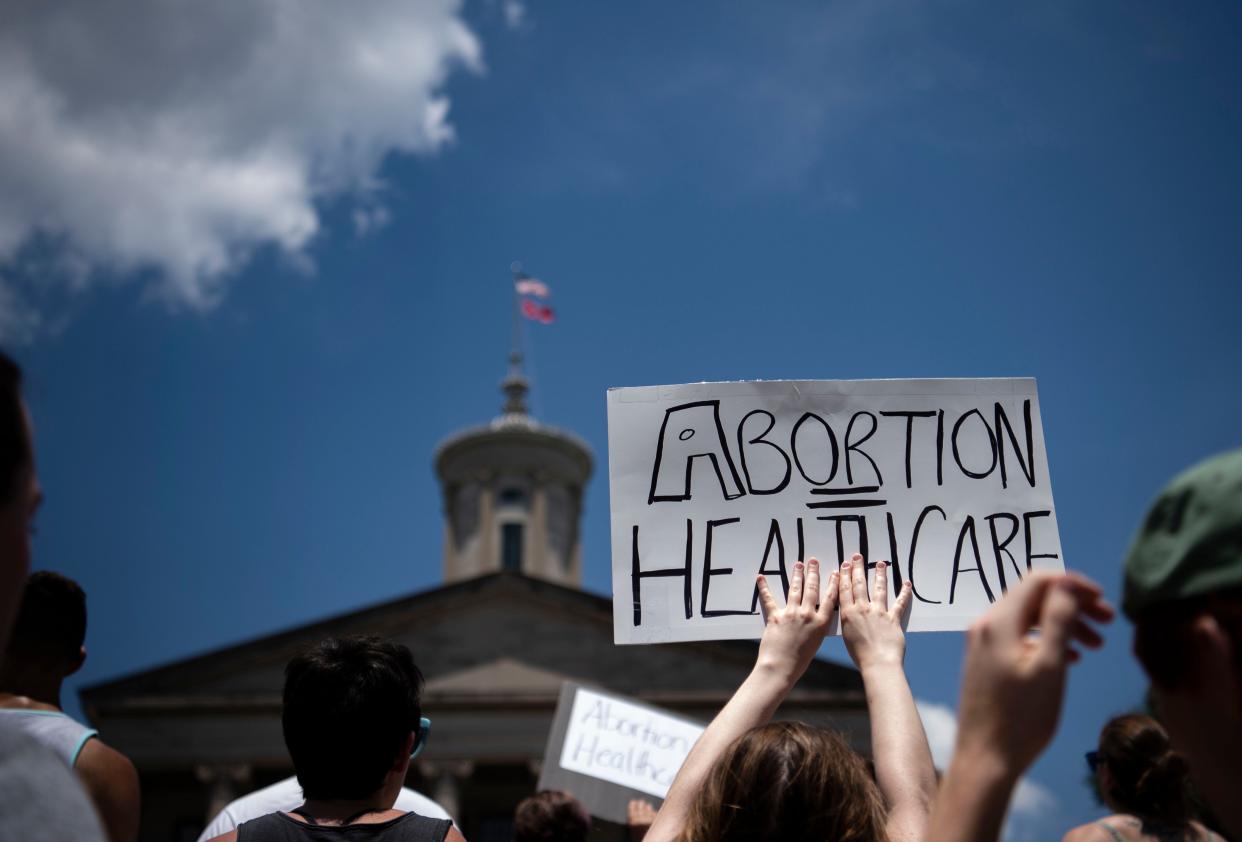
x: 424, y: 728
x: 1094, y: 759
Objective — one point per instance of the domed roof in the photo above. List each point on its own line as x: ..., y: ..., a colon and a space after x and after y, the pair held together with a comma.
x: 515, y: 439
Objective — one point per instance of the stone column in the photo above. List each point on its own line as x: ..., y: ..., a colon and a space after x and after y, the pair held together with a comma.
x: 538, y: 561
x: 224, y: 782
x: 445, y: 782
x: 487, y: 557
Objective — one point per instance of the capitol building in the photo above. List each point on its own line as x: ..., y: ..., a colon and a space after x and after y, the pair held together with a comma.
x: 509, y: 623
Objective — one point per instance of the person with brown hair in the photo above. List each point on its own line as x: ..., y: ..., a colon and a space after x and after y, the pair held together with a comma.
x: 1144, y: 781
x: 551, y: 816
x: 747, y: 779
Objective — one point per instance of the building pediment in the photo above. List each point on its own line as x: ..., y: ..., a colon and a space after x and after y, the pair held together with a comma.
x: 493, y: 650
x: 503, y: 678
x: 504, y: 627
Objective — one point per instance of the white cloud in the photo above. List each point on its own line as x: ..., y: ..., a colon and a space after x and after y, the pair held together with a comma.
x: 181, y: 136
x: 1032, y: 802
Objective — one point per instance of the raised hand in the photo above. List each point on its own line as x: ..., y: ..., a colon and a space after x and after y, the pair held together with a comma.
x: 1012, y: 687
x: 792, y: 634
x: 871, y: 630
x: 1013, y: 681
x: 874, y: 638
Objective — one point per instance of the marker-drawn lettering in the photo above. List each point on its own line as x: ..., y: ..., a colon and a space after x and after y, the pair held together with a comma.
x: 909, y: 416
x: 812, y: 448
x: 709, y: 572
x: 968, y: 528
x: 957, y: 454
x: 742, y: 441
x: 1025, y: 464
x: 637, y: 574
x: 691, y: 431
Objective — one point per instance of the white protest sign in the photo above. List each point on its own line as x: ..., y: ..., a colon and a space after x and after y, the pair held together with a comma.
x: 713, y: 483
x: 625, y: 743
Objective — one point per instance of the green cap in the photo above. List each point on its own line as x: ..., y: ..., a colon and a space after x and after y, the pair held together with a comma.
x: 1190, y: 543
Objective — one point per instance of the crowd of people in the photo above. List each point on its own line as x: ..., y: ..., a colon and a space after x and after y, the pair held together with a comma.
x: 353, y: 721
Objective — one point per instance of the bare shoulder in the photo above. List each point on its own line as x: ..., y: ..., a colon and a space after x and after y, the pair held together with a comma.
x: 107, y: 772
x: 100, y: 759
x: 1091, y: 832
x: 454, y: 836
x: 112, y: 782
x: 231, y: 836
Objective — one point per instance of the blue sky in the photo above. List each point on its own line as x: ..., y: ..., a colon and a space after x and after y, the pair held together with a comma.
x: 793, y: 190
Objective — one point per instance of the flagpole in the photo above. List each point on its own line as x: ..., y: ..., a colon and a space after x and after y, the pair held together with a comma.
x: 515, y: 385
x: 515, y: 348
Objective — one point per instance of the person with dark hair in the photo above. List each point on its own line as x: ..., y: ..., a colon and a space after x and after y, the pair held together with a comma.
x: 352, y: 722
x: 1144, y: 782
x: 40, y: 798
x: 746, y: 779
x: 46, y: 647
x: 551, y: 816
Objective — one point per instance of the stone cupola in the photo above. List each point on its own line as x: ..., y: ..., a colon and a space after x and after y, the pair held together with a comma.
x: 513, y: 494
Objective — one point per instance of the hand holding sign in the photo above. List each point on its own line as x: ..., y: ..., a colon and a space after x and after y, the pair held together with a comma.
x: 792, y: 634
x: 872, y: 630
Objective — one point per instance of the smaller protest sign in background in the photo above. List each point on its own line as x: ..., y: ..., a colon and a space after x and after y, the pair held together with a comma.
x: 713, y: 483
x: 607, y: 749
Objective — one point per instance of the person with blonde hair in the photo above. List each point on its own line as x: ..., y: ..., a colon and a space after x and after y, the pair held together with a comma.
x: 747, y: 778
x: 1144, y: 782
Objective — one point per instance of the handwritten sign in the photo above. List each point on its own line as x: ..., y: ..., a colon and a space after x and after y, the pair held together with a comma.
x: 713, y: 483
x: 607, y: 749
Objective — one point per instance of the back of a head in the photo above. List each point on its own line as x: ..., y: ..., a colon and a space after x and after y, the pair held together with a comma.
x: 1146, y: 778
x: 551, y: 816
x: 51, y: 623
x: 1186, y: 560
x: 350, y: 703
x: 788, y: 781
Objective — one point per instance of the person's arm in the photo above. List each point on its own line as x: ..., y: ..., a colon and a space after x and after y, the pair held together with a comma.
x: 1012, y: 688
x: 790, y: 639
x: 112, y: 782
x: 874, y: 638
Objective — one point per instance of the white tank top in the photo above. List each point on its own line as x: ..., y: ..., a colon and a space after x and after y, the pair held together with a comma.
x: 57, y: 731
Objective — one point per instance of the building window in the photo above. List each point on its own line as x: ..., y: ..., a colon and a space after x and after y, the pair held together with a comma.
x: 511, y: 496
x: 511, y: 546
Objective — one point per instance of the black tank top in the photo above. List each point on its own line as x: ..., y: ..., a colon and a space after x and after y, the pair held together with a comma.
x: 278, y: 827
